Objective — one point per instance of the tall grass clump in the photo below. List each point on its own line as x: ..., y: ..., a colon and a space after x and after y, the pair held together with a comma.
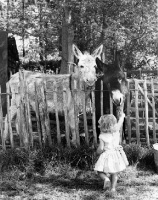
x: 83, y: 157
x: 142, y: 157
x: 13, y: 157
x: 134, y: 153
x: 147, y: 162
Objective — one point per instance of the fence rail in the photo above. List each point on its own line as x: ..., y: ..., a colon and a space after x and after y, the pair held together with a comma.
x: 141, y: 116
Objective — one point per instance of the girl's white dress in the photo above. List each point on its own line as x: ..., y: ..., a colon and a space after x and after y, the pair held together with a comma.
x: 113, y: 159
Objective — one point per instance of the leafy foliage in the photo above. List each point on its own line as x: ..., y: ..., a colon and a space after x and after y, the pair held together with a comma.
x: 129, y: 26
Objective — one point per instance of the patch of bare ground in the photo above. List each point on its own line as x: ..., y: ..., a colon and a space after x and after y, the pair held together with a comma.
x: 73, y: 184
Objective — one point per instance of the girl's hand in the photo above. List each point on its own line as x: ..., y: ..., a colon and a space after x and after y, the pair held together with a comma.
x: 123, y: 115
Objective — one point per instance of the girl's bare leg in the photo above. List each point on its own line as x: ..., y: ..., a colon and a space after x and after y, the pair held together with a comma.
x: 104, y: 177
x: 113, y: 179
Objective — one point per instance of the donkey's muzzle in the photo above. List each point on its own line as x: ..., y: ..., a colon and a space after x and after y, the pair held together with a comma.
x: 117, y: 97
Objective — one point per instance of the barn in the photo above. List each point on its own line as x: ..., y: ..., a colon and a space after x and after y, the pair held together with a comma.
x: 9, y: 62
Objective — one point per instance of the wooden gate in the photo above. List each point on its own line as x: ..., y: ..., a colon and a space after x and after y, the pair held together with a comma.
x: 141, y: 116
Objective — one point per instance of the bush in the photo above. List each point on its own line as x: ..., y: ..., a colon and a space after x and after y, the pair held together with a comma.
x: 147, y: 160
x: 134, y: 153
x: 82, y: 157
x: 142, y: 157
x: 16, y: 157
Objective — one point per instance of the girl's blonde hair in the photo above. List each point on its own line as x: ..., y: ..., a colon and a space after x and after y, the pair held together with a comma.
x: 107, y: 123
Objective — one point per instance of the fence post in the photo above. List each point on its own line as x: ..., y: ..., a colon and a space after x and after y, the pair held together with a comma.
x: 23, y: 108
x: 137, y: 112
x: 46, y: 113
x: 128, y: 114
x: 29, y: 117
x: 41, y: 114
x: 8, y: 116
x: 84, y: 115
x: 153, y: 110
x: 56, y: 112
x: 101, y: 97
x: 111, y: 104
x: 38, y: 116
x: 94, y: 118
x: 146, y: 113
x: 75, y: 82
x: 66, y: 118
x: 1, y: 122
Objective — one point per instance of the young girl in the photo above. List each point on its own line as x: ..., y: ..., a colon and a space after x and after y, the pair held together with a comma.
x: 112, y: 158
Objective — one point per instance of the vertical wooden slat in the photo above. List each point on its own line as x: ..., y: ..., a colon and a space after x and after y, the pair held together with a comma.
x: 23, y: 113
x: 66, y: 118
x: 111, y: 105
x: 46, y: 113
x: 153, y: 110
x: 76, y: 110
x: 8, y: 116
x: 56, y: 112
x: 38, y: 116
x: 1, y: 123
x: 146, y: 113
x: 29, y: 118
x: 41, y: 114
x: 128, y: 114
x: 137, y: 112
x: 94, y: 119
x: 19, y: 125
x: 85, y: 117
x: 101, y: 97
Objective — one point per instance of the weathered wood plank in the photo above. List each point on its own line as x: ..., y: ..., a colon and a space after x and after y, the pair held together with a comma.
x: 137, y: 112
x: 146, y: 113
x: 94, y: 119
x: 8, y: 117
x: 128, y: 115
x: 38, y: 115
x: 1, y: 123
x: 101, y: 97
x: 56, y: 112
x: 67, y: 130
x: 153, y: 111
x: 85, y: 118
x: 46, y: 113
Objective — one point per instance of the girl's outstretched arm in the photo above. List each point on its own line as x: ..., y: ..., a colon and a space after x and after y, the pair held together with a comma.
x: 120, y: 122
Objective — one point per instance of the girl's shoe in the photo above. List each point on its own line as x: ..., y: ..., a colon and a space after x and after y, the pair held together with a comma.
x: 106, y: 182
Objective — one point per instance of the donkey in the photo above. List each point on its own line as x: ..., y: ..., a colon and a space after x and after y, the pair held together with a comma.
x: 114, y: 85
x: 86, y: 71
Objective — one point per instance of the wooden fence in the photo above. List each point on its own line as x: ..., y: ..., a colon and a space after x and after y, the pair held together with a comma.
x: 141, y: 116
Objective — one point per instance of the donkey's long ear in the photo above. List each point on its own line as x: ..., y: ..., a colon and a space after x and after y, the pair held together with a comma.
x: 76, y: 51
x: 101, y: 66
x: 96, y: 53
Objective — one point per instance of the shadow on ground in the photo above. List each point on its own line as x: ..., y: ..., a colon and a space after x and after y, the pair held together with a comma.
x: 76, y: 183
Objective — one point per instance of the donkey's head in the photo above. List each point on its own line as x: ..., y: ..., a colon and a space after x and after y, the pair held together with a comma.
x: 87, y: 64
x: 115, y: 80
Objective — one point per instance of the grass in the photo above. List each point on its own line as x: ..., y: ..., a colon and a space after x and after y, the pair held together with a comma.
x: 51, y: 174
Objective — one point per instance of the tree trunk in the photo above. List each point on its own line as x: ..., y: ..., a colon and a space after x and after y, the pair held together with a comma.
x: 67, y: 41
